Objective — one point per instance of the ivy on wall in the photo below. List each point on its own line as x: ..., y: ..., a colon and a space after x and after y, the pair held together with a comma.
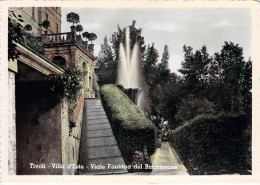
x: 67, y: 84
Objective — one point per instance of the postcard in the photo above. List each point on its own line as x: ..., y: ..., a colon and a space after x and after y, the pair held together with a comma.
x: 138, y: 92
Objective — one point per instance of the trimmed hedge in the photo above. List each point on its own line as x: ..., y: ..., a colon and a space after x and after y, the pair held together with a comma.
x: 215, y: 144
x: 132, y: 129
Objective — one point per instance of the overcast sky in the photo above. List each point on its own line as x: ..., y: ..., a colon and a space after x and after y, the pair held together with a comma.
x: 172, y: 27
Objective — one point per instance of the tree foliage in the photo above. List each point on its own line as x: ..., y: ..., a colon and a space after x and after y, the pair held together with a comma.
x: 67, y: 84
x: 73, y: 18
x: 92, y: 37
x: 85, y: 35
x: 79, y: 28
x: 106, y: 66
x: 15, y: 34
x: 234, y: 73
x: 135, y: 37
x: 208, y: 83
x: 46, y: 24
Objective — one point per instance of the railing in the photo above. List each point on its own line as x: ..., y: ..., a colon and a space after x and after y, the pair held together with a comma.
x: 65, y: 38
x: 57, y: 37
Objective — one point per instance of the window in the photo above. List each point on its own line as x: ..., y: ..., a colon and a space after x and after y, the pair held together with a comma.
x: 57, y: 28
x: 90, y: 82
x: 33, y: 12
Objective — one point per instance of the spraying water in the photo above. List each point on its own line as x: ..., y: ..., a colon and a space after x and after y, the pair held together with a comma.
x: 128, y: 69
x: 128, y: 74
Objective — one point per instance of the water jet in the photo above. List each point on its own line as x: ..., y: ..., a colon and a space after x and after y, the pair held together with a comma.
x: 129, y: 72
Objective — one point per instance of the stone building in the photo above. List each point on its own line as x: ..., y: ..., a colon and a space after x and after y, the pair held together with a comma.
x: 40, y: 129
x: 34, y: 16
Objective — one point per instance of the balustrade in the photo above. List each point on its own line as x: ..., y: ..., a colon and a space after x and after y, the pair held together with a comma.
x: 63, y: 38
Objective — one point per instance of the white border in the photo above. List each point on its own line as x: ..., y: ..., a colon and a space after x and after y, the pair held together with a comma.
x: 133, y: 179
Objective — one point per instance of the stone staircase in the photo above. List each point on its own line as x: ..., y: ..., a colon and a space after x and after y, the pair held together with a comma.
x: 98, y: 150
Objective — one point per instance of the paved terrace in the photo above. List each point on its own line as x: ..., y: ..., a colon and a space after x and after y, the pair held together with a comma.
x: 99, y: 146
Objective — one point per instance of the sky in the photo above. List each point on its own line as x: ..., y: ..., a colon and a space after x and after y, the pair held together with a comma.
x: 172, y: 27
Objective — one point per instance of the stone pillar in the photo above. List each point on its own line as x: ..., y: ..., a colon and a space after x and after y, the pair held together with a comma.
x: 73, y: 32
x: 11, y: 124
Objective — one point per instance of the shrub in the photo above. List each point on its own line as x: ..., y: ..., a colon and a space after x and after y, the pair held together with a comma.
x: 79, y: 28
x: 46, y: 24
x: 73, y: 18
x: 215, y: 144
x: 191, y: 107
x: 31, y: 42
x: 131, y: 128
x: 67, y: 84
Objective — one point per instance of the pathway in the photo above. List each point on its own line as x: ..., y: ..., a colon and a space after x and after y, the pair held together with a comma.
x: 98, y: 146
x: 166, y: 156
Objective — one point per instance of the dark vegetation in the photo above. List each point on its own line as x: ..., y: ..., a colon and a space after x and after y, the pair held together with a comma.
x: 208, y: 85
x: 218, y: 84
x: 218, y: 144
x: 132, y: 129
x: 67, y: 84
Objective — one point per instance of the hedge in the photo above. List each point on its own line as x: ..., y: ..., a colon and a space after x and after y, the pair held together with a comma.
x: 215, y: 144
x: 132, y: 129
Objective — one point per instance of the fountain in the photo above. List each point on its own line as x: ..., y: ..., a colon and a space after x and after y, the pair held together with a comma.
x: 128, y: 74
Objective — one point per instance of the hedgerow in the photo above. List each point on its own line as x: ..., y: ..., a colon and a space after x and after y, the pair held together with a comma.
x: 131, y: 128
x: 215, y: 144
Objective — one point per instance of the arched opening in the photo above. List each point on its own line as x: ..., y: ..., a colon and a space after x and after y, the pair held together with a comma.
x: 59, y: 60
x: 85, y: 82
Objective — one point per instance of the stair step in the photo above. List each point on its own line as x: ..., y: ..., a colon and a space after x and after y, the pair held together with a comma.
x: 99, y: 126
x: 97, y: 112
x: 103, y: 152
x: 97, y: 121
x: 99, y: 146
x: 99, y: 133
x: 94, y: 104
x: 103, y: 141
x: 91, y: 117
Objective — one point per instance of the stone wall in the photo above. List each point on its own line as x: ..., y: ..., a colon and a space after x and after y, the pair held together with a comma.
x: 38, y: 129
x: 11, y: 124
x: 71, y: 136
x: 38, y: 123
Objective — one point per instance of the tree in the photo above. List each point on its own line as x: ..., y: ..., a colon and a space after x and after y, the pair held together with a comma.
x: 165, y: 57
x: 92, y: 37
x: 135, y: 37
x: 85, y: 35
x: 153, y: 89
x: 79, y: 28
x: 27, y: 27
x: 194, y: 68
x: 246, y: 86
x: 46, y: 24
x: 15, y: 34
x: 232, y: 68
x: 191, y: 107
x: 149, y: 65
x: 73, y: 18
x: 106, y: 66
x: 163, y: 70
